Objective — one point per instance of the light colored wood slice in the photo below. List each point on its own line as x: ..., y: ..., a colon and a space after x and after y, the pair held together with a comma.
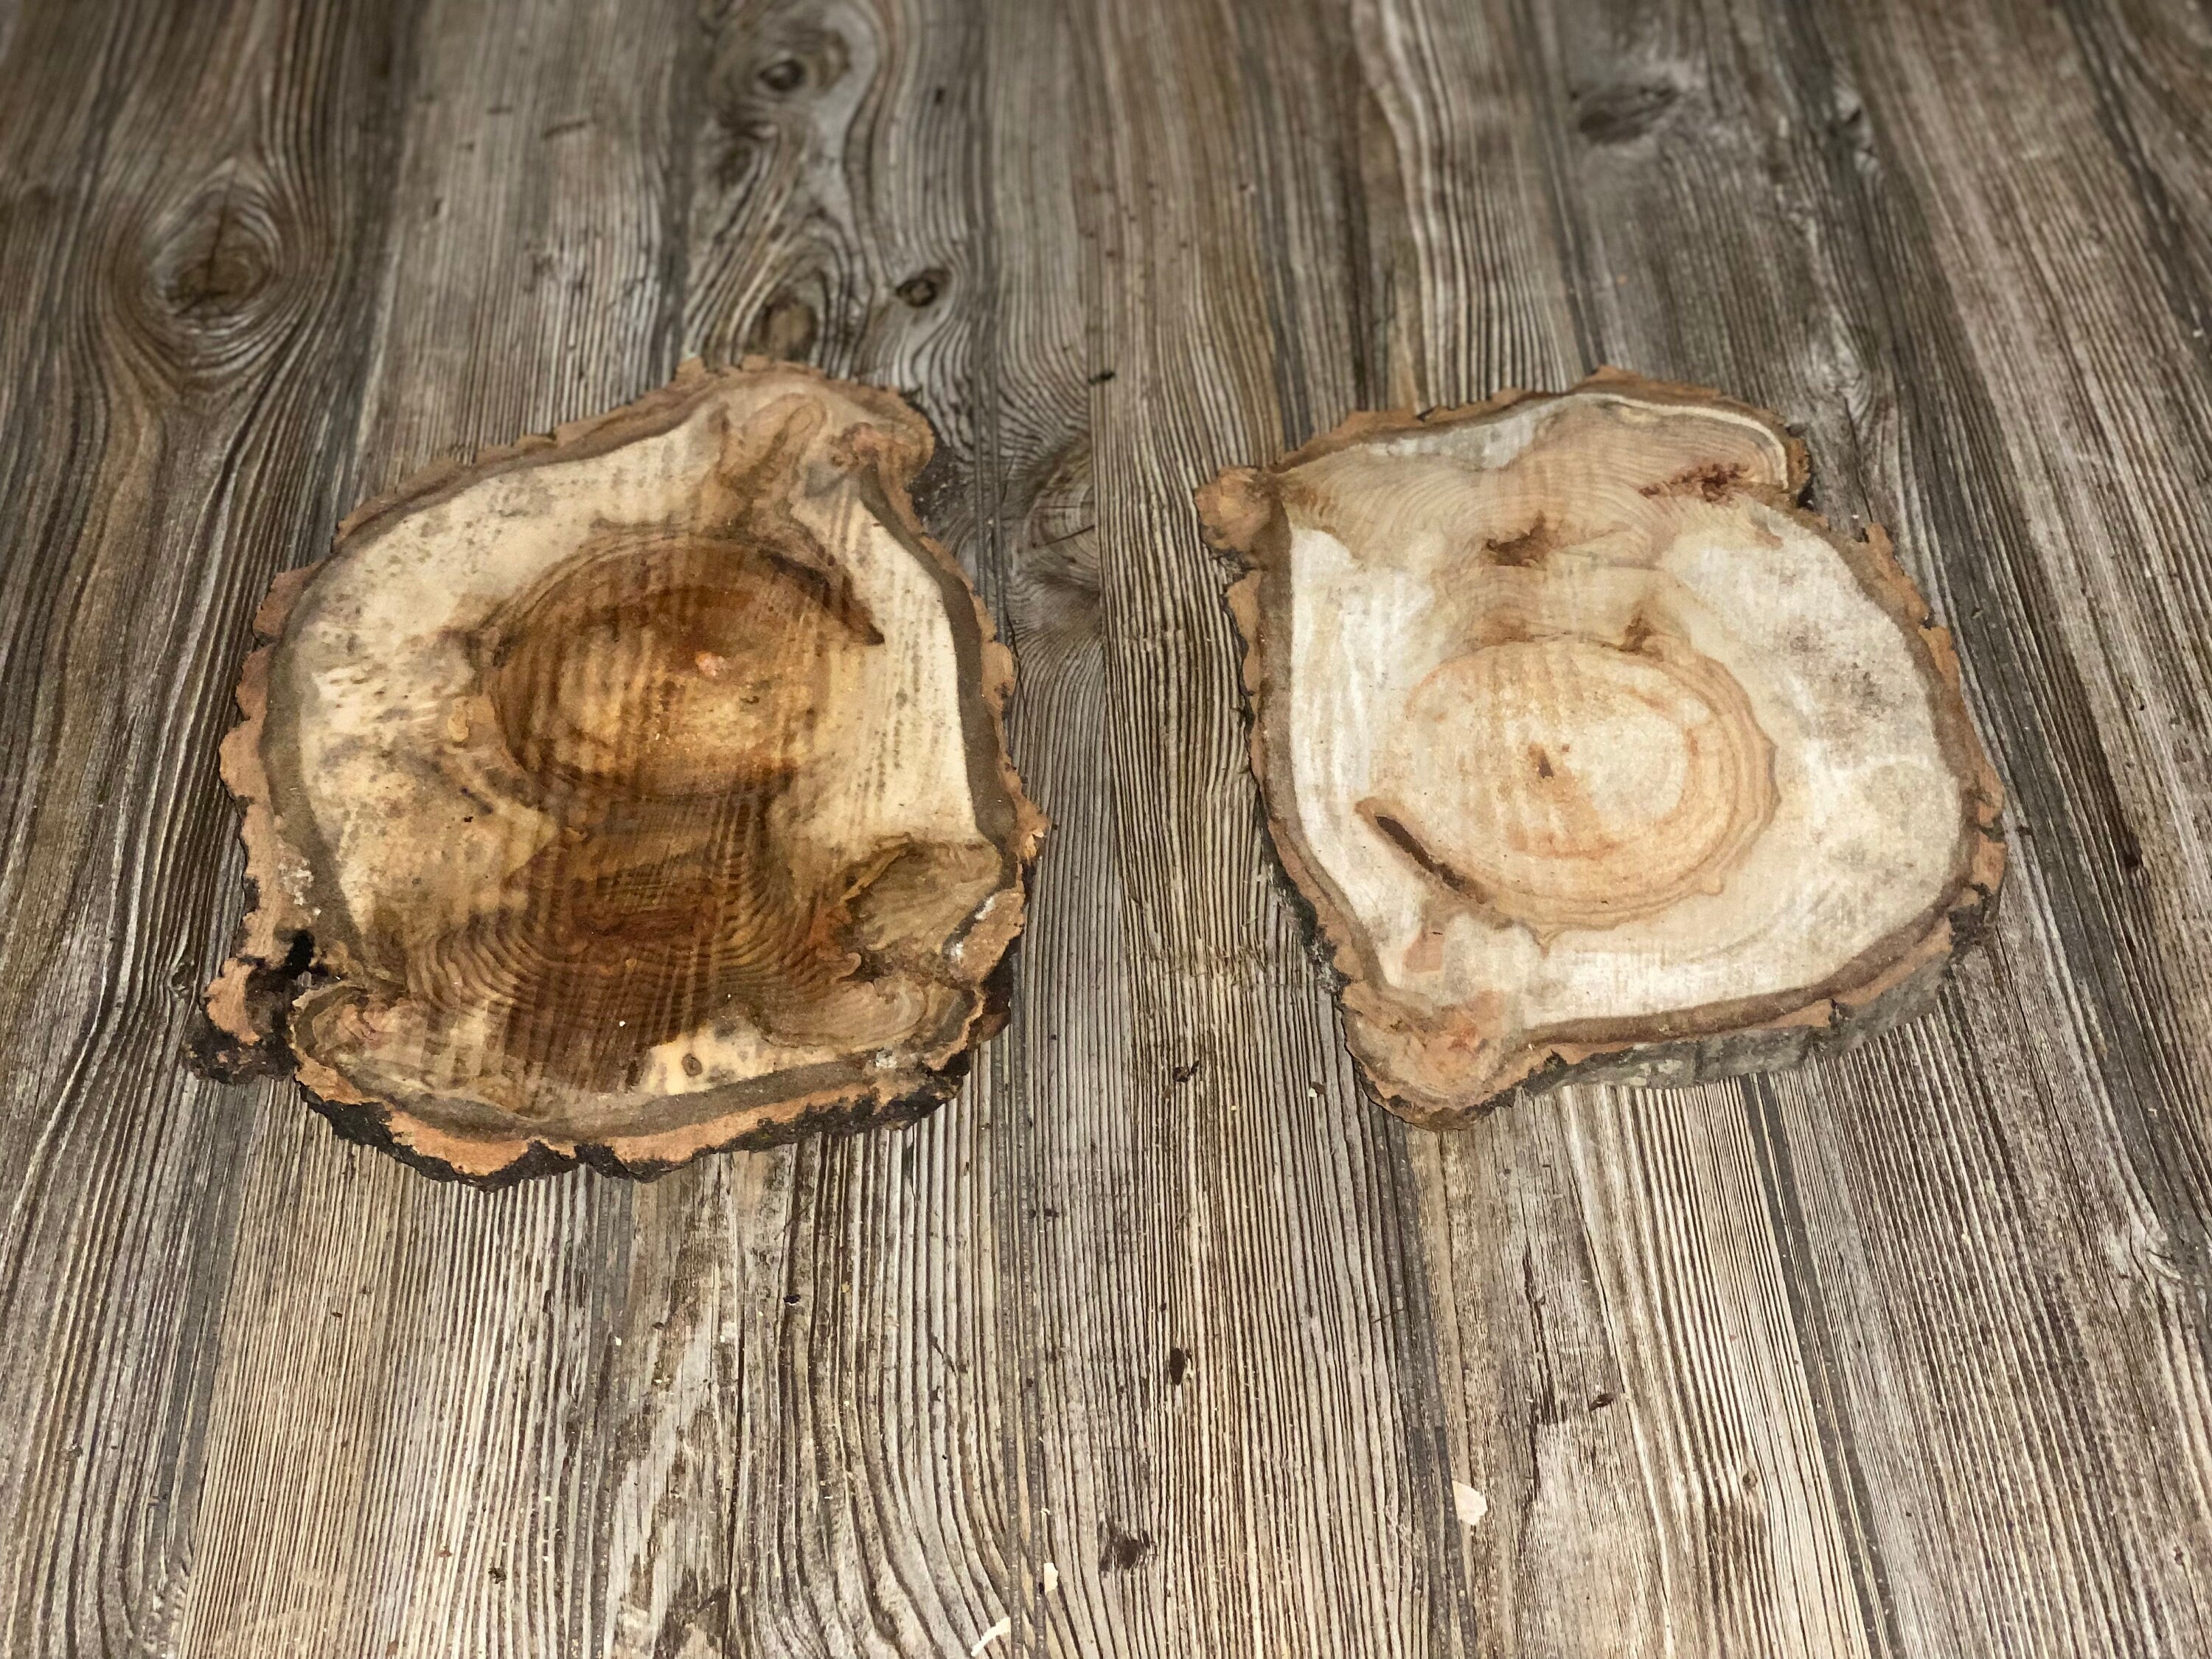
x: 1596, y: 756
x: 632, y: 791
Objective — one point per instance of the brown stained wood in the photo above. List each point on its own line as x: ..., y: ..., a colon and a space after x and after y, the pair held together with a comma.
x: 632, y: 791
x: 1159, y: 1340
x: 1595, y: 756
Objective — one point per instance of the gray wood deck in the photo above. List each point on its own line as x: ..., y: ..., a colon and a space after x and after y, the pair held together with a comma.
x: 1161, y: 1340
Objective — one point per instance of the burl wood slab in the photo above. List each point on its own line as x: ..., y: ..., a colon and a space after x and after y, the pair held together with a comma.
x: 1596, y: 756
x: 632, y: 791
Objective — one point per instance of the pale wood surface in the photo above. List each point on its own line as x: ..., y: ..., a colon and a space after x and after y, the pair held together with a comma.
x: 1436, y: 604
x: 1159, y: 1340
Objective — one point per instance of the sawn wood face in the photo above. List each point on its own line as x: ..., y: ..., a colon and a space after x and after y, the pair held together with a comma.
x: 1594, y: 754
x: 632, y: 793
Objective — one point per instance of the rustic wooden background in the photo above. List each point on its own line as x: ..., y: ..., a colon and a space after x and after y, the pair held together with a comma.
x: 1160, y: 1341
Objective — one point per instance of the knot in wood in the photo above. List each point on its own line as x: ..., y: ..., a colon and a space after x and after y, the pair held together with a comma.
x: 776, y: 66
x: 921, y: 289
x: 212, y: 282
x: 1053, y: 590
x: 1624, y: 111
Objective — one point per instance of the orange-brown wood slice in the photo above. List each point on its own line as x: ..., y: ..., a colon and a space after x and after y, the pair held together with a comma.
x: 631, y: 792
x: 1596, y: 756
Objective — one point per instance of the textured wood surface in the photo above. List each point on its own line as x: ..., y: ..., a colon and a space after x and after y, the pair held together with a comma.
x: 1581, y: 781
x: 1159, y: 1340
x: 629, y: 794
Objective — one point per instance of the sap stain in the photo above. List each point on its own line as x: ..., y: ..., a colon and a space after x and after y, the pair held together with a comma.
x: 664, y: 689
x: 1122, y: 1552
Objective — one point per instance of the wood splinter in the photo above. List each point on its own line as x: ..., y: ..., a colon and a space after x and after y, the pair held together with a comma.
x: 1595, y: 756
x: 630, y: 793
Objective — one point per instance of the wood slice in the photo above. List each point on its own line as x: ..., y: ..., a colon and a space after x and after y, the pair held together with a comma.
x: 630, y: 793
x: 1595, y: 756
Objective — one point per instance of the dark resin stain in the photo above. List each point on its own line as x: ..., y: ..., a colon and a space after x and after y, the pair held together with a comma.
x: 1122, y: 1552
x: 662, y: 691
x: 1529, y: 548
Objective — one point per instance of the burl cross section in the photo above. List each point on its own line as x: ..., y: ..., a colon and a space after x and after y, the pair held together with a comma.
x: 631, y: 792
x: 1595, y: 756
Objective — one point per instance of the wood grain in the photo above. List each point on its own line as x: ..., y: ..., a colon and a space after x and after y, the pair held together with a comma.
x: 413, y: 1435
x: 660, y: 764
x: 200, y: 198
x: 1160, y: 1339
x: 1489, y: 801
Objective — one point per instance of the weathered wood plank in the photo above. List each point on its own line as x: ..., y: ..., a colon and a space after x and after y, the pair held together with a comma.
x: 1747, y: 1492
x: 1231, y: 275
x: 819, y: 1320
x: 2079, y: 302
x: 192, y: 198
x: 2031, y: 220
x: 1459, y: 199
x: 1634, y: 1432
x: 1570, y: 1542
x: 1016, y: 1359
x: 397, y: 1439
x: 2090, y: 1024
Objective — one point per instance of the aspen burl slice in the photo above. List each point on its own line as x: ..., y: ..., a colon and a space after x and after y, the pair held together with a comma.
x: 630, y: 793
x: 1595, y: 756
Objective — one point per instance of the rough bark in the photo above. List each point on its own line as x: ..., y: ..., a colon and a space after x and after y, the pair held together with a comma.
x: 1596, y: 756
x: 630, y: 793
